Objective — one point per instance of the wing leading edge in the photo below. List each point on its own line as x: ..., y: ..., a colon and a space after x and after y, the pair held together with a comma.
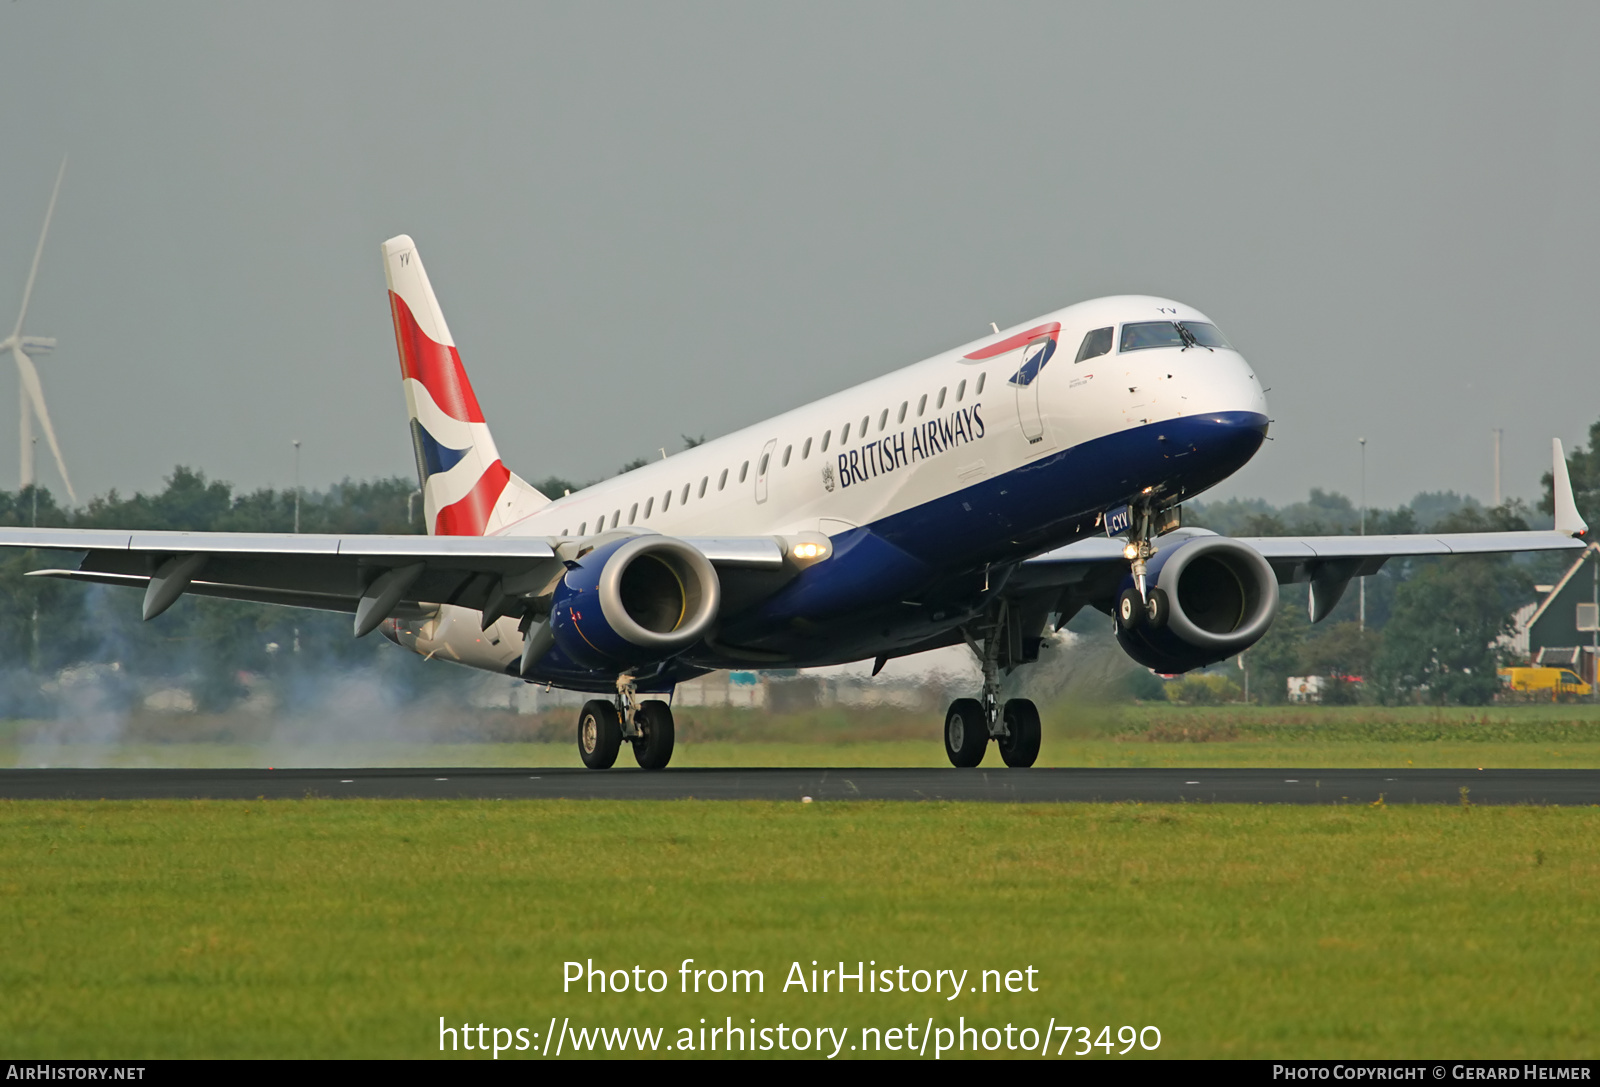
x: 374, y: 577
x: 1089, y: 571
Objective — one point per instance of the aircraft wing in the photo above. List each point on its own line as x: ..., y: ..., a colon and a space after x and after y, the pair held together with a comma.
x: 1091, y: 571
x: 373, y: 576
x: 1293, y: 558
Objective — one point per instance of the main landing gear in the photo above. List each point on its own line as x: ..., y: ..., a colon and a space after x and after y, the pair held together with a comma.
x: 971, y: 723
x: 649, y: 729
x: 967, y: 732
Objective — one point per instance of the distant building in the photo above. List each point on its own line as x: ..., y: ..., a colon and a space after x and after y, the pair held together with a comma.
x: 1306, y: 688
x: 1549, y: 633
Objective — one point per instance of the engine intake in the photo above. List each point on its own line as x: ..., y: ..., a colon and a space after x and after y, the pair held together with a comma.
x: 634, y: 602
x: 1221, y: 597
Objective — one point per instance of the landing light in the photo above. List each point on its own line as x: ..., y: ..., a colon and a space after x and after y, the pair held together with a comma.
x: 804, y: 550
x: 1130, y: 551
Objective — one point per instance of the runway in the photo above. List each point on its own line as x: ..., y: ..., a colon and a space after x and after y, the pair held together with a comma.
x: 1223, y: 786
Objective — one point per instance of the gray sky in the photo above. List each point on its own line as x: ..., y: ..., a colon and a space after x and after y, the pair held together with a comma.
x: 651, y: 220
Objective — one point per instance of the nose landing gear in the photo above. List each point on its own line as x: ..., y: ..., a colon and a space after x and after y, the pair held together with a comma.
x: 1142, y: 606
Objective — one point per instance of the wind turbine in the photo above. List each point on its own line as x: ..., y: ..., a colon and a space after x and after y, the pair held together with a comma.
x: 31, y: 396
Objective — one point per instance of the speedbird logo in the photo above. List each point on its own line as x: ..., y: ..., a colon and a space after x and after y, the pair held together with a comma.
x: 1038, y: 344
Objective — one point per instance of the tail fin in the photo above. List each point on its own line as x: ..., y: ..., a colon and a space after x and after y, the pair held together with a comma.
x: 466, y: 490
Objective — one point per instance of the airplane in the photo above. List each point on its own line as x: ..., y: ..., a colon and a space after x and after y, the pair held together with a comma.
x: 977, y: 497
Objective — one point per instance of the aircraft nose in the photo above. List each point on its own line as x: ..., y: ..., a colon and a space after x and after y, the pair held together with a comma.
x: 1231, y: 438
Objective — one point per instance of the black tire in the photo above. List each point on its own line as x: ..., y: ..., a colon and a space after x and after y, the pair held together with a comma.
x: 1130, y: 610
x: 1156, y: 610
x: 966, y: 733
x: 599, y: 734
x: 1020, y: 747
x: 653, y: 750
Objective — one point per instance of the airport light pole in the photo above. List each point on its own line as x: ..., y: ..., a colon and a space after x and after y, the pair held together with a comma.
x: 297, y: 520
x: 1361, y: 585
x: 1497, y: 432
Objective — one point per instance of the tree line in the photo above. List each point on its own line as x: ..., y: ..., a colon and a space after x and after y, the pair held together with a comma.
x: 1431, y: 624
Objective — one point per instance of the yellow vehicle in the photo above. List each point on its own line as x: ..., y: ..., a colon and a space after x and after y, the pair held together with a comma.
x: 1556, y: 683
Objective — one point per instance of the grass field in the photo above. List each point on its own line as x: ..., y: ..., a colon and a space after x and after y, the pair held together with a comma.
x: 1519, y: 736
x: 347, y: 928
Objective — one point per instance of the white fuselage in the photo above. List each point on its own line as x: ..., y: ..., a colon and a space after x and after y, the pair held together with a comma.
x: 888, y: 446
x: 1076, y: 403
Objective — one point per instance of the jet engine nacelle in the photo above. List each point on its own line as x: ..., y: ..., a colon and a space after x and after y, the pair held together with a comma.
x: 1220, y: 598
x: 634, y: 602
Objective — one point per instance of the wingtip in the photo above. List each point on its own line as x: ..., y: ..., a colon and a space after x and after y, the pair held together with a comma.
x: 1568, y: 519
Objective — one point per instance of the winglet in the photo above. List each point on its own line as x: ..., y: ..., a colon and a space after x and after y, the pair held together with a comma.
x: 1568, y: 520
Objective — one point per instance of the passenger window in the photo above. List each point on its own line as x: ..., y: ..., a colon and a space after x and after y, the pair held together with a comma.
x: 845, y: 437
x: 649, y: 505
x: 583, y: 529
x: 666, y: 502
x: 904, y: 404
x: 633, y: 514
x: 1095, y: 344
x: 563, y: 532
x: 961, y: 390
x: 744, y: 470
x: 786, y: 451
x: 805, y: 450
x: 883, y: 420
x: 940, y: 404
x: 826, y: 434
x: 865, y: 419
x: 979, y: 390
x: 765, y: 457
x: 722, y: 480
x: 616, y: 518
x: 922, y: 405
x: 685, y: 497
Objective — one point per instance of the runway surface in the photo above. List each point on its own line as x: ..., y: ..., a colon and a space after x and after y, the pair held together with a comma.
x: 1233, y: 786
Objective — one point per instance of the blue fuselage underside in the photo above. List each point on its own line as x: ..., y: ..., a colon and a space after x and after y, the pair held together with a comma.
x: 907, y: 578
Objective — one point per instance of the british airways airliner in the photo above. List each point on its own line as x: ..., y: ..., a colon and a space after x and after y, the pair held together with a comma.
x: 977, y: 497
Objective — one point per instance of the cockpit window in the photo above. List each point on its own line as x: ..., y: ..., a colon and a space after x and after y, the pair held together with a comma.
x: 1095, y: 344
x: 1207, y: 335
x: 1182, y: 334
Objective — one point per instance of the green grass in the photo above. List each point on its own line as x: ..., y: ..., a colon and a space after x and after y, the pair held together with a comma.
x: 1158, y: 734
x: 347, y: 928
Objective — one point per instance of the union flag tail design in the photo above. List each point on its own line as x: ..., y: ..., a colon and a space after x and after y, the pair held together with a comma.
x: 466, y: 490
